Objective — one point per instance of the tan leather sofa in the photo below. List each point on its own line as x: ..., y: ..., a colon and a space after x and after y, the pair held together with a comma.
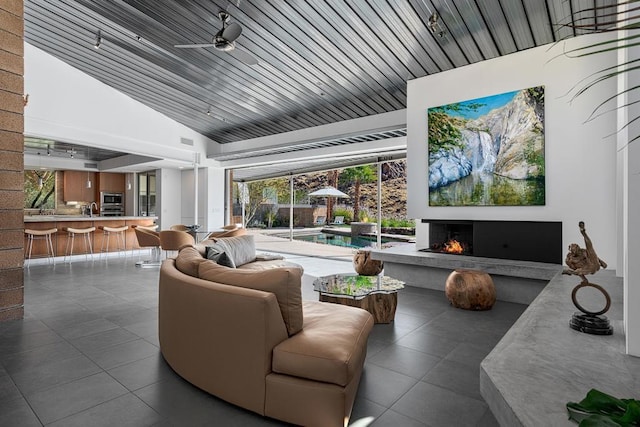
x: 233, y: 341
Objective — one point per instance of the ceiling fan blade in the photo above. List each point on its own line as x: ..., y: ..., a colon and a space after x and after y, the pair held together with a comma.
x: 190, y: 46
x: 232, y: 31
x: 243, y: 57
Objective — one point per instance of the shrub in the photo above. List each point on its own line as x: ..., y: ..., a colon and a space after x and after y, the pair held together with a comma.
x: 366, y: 216
x: 398, y: 222
x: 345, y: 212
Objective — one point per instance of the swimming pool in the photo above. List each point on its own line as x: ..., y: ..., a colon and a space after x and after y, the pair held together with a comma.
x: 339, y: 240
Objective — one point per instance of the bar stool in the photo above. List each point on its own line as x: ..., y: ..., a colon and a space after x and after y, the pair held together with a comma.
x: 41, y: 235
x: 71, y: 233
x: 118, y: 234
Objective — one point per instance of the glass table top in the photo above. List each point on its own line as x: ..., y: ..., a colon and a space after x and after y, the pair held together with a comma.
x: 355, y: 286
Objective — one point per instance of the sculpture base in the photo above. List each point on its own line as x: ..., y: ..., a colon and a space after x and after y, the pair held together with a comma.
x: 590, y: 324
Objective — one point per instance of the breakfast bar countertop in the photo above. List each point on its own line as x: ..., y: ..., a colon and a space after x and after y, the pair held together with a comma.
x: 68, y: 218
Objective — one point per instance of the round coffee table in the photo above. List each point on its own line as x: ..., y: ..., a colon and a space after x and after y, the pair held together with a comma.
x: 376, y: 294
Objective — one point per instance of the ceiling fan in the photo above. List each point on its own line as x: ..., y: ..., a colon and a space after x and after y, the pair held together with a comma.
x: 224, y: 40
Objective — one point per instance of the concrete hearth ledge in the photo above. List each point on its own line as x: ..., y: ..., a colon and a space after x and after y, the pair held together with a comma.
x: 408, y: 254
x: 541, y: 364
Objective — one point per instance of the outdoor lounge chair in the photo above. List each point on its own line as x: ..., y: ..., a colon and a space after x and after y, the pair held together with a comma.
x: 320, y: 220
x: 338, y: 220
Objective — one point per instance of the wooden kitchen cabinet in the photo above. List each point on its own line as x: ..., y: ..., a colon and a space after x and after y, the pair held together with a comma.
x: 75, y: 186
x: 111, y: 182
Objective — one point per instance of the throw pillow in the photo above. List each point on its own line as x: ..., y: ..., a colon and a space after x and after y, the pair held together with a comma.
x: 216, y: 253
x: 240, y: 249
x: 284, y: 283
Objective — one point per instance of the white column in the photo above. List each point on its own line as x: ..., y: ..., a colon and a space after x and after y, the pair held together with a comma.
x: 291, y: 207
x: 245, y: 194
x: 195, y: 187
x: 630, y: 172
x: 379, y: 233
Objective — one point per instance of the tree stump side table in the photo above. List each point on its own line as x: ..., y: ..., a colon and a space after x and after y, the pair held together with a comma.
x: 470, y: 290
x: 376, y: 294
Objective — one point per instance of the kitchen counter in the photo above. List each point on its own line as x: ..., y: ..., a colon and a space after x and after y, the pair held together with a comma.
x: 62, y: 218
x: 59, y: 239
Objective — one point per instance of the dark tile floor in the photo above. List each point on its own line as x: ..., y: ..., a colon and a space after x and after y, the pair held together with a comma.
x: 87, y: 354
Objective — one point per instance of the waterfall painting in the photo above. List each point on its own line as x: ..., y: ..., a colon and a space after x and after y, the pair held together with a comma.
x: 488, y: 151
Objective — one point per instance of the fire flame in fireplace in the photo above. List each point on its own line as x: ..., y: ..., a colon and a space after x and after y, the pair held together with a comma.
x: 453, y: 247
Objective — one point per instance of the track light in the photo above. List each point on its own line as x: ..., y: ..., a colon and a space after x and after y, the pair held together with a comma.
x: 434, y: 25
x: 208, y: 111
x: 98, y: 40
x: 40, y: 179
x: 48, y: 151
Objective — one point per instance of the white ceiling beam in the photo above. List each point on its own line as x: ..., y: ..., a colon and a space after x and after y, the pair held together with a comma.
x: 342, y: 151
x: 347, y: 128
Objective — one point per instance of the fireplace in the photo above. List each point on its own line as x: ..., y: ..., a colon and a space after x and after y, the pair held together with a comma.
x: 454, y: 237
x: 539, y: 241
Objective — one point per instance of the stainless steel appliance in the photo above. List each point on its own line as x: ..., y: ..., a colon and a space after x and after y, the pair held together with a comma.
x: 111, y: 204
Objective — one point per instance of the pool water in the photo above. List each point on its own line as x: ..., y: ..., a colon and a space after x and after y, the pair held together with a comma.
x: 340, y: 240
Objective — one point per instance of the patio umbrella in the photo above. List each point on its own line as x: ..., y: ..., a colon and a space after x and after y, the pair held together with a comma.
x: 327, y: 192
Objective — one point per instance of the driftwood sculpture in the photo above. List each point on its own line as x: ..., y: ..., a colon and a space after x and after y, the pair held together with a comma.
x: 583, y: 261
x: 365, y: 265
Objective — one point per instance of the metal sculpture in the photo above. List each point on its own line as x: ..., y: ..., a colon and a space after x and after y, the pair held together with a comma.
x: 581, y: 262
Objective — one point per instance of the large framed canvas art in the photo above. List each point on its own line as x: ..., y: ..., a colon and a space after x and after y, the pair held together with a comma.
x: 488, y: 151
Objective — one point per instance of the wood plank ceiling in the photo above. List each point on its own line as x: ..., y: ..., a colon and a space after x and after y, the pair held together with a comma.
x: 319, y: 61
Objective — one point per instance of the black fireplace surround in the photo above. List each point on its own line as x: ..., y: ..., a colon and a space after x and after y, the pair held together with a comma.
x: 539, y: 241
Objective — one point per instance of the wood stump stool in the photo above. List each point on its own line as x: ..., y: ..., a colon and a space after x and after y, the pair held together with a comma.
x: 470, y: 290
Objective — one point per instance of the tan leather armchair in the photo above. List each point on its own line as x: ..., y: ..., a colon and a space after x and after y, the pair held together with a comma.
x: 179, y: 227
x: 148, y: 238
x: 173, y: 240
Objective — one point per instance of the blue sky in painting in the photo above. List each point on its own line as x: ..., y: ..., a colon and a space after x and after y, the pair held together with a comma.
x: 490, y: 103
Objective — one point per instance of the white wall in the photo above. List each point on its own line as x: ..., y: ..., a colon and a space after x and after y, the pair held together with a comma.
x: 187, y: 197
x: 68, y: 105
x: 213, y: 209
x: 580, y: 165
x: 168, y: 183
x: 210, y: 198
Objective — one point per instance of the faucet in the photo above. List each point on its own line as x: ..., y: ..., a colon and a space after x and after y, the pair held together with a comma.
x: 91, y: 205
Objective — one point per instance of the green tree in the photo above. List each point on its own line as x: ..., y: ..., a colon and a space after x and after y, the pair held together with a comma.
x: 38, y: 196
x: 358, y: 175
x: 259, y: 192
x: 444, y: 128
x: 332, y: 179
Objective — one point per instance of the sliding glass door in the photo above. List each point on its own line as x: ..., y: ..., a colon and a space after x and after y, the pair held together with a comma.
x: 147, y: 193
